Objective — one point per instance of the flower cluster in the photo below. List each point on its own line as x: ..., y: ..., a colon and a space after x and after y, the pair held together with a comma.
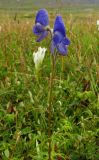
x: 41, y: 23
x: 59, y: 41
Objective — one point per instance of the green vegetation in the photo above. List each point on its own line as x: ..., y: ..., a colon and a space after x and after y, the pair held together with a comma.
x: 24, y: 99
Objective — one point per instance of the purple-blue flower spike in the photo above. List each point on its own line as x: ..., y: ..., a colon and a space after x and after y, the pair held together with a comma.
x: 41, y: 23
x: 59, y: 40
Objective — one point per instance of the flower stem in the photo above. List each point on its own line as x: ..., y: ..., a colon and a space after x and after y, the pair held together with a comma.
x: 50, y: 106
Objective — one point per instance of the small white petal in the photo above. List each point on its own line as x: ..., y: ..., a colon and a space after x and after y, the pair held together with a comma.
x: 38, y: 57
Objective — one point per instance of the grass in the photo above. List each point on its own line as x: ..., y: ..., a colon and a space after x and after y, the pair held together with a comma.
x: 24, y: 101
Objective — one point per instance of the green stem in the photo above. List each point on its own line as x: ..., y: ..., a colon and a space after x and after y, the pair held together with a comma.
x: 50, y: 106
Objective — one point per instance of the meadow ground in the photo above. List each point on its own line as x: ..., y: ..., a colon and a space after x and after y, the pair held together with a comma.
x: 24, y: 98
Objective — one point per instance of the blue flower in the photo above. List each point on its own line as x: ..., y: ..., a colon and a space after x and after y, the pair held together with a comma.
x: 41, y: 23
x: 59, y: 40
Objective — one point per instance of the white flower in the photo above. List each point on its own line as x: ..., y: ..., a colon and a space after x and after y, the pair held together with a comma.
x: 97, y: 22
x: 38, y: 57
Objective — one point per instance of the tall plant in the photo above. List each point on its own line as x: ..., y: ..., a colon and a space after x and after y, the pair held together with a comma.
x: 59, y: 46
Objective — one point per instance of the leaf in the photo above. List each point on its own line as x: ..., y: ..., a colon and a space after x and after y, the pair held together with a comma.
x: 6, y: 152
x: 10, y: 118
x: 26, y: 130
